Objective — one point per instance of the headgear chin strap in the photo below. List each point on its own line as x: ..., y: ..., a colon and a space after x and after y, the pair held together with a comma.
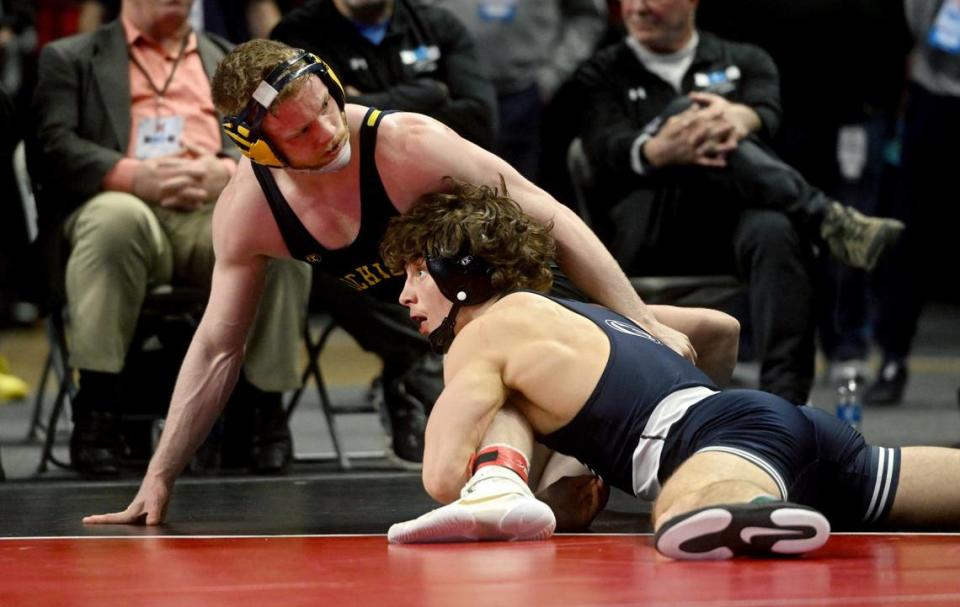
x: 245, y: 128
x: 441, y: 337
x: 465, y: 280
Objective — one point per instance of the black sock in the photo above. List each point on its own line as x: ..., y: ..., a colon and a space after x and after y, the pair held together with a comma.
x: 101, y: 391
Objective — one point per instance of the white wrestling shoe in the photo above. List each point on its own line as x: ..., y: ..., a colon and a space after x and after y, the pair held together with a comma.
x: 758, y: 529
x: 494, y: 505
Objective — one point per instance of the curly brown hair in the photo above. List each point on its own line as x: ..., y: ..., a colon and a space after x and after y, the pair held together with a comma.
x: 243, y: 68
x: 478, y: 219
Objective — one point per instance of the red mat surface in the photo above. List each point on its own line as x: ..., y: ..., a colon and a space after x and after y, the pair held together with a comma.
x: 567, y: 570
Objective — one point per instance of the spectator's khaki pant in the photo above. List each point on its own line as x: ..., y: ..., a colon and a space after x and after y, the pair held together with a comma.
x: 121, y: 248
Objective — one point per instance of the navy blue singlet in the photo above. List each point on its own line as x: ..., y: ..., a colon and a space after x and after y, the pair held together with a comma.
x: 640, y: 372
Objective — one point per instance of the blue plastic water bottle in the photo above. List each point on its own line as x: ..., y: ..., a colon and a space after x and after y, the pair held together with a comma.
x: 848, y: 403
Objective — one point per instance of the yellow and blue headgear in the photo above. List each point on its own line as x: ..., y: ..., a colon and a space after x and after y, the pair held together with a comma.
x: 245, y: 128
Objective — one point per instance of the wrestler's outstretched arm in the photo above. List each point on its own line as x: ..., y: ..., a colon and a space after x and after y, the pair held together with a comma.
x: 210, y: 368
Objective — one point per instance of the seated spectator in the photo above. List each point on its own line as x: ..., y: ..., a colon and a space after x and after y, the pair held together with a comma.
x: 676, y: 130
x: 237, y: 21
x: 128, y: 161
x: 837, y: 140
x: 395, y: 55
x: 931, y: 120
x: 399, y: 55
x: 529, y: 49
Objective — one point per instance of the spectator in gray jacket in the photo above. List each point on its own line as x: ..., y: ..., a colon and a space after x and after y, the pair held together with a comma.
x: 529, y: 49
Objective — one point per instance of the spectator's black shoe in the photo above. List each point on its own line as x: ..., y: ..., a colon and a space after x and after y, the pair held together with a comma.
x: 890, y: 384
x: 94, y: 444
x: 408, y: 420
x: 408, y: 397
x: 406, y: 428
x: 857, y: 239
x: 271, y: 450
x: 761, y: 528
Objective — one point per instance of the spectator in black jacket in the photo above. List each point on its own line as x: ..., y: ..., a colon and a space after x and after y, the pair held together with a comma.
x: 677, y: 128
x: 399, y: 55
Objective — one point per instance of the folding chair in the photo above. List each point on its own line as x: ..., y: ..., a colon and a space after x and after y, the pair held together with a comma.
x: 162, y: 304
x: 56, y: 362
x: 314, y: 344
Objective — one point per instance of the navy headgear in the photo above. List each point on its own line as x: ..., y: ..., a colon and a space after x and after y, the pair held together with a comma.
x: 465, y: 280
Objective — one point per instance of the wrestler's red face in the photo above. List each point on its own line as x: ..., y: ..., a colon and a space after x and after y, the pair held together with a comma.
x: 308, y: 128
x: 663, y: 26
x: 421, y: 296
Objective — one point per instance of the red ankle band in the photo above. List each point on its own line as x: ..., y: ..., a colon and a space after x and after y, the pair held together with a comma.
x: 501, y: 455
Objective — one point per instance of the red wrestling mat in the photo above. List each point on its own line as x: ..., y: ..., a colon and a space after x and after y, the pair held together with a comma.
x: 567, y: 570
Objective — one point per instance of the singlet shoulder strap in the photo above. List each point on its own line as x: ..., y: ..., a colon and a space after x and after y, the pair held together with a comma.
x: 376, y: 206
x: 299, y: 241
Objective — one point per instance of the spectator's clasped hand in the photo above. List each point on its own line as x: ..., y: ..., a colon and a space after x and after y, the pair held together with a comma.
x: 184, y: 181
x: 701, y: 135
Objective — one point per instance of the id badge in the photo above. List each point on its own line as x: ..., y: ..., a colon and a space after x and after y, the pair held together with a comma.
x: 945, y: 33
x: 503, y: 11
x: 158, y: 136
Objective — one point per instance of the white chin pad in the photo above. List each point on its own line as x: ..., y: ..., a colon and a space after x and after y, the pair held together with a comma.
x: 342, y: 159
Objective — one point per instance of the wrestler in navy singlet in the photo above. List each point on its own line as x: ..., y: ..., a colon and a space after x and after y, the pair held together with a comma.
x: 358, y: 264
x: 637, y: 428
x: 640, y: 372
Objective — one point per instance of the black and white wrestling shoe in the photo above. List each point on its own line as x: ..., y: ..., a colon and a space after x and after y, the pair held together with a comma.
x: 761, y: 528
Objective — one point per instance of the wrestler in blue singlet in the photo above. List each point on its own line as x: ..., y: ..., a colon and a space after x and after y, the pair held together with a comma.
x: 652, y: 409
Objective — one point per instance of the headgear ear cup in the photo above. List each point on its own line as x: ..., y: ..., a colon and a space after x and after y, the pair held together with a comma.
x: 463, y: 279
x: 244, y: 128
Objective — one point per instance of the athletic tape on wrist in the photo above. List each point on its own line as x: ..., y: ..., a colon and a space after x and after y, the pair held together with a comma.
x: 503, y: 456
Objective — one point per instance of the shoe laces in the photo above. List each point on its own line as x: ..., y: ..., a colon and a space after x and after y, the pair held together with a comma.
x: 849, y: 225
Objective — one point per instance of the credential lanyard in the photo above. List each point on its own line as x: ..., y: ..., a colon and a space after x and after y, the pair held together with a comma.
x: 160, y: 92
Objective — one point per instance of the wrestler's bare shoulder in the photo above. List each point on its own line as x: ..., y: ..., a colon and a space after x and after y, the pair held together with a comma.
x: 520, y: 316
x: 410, y: 135
x: 240, y: 214
x: 414, y: 154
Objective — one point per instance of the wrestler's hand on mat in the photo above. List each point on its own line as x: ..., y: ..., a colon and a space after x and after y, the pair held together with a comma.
x: 149, y: 507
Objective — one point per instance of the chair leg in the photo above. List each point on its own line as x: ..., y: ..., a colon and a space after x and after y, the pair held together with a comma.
x: 47, y: 454
x: 328, y: 414
x: 312, y: 370
x: 35, y: 419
